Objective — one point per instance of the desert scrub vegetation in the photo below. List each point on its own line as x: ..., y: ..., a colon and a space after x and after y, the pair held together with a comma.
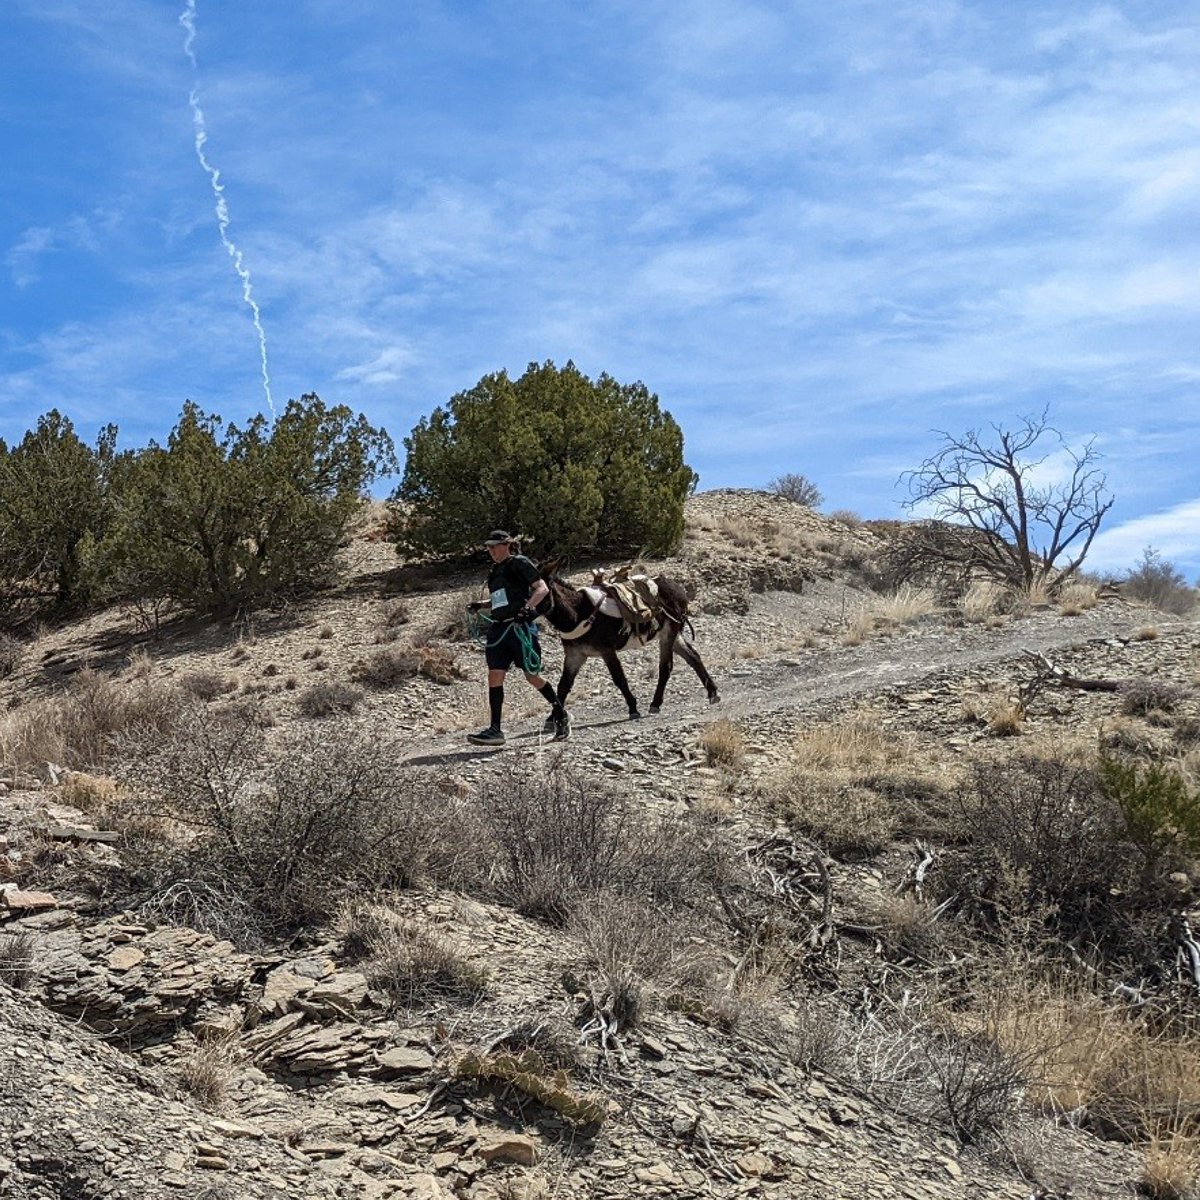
x: 848, y: 784
x: 984, y: 601
x: 1076, y: 598
x: 392, y: 665
x: 206, y: 1071
x: 17, y: 957
x: 1049, y: 846
x: 327, y: 697
x: 797, y: 488
x: 406, y: 961
x: 285, y: 828
x: 78, y: 726
x: 1161, y: 583
x: 555, y: 837
x: 722, y: 743
x: 1140, y: 697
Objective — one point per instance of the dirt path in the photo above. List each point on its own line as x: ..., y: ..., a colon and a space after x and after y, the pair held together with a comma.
x: 754, y: 692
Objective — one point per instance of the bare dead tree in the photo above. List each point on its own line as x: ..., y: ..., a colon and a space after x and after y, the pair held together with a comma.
x: 1015, y: 528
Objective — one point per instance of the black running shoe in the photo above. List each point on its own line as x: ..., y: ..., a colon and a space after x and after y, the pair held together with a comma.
x: 550, y: 725
x: 562, y: 727
x: 491, y: 736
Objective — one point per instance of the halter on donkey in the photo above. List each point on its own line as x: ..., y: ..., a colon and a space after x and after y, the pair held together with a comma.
x: 593, y: 623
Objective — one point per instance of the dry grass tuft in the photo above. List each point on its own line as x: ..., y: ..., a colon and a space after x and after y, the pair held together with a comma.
x: 1076, y: 599
x: 206, y: 1071
x: 904, y: 606
x: 327, y: 697
x: 723, y: 743
x: 78, y: 727
x: 1147, y: 633
x: 17, y: 954
x: 741, y: 532
x: 415, y: 966
x: 846, y: 781
x: 1171, y: 1169
x: 208, y: 685
x: 983, y: 601
x: 392, y: 665
x: 1006, y: 720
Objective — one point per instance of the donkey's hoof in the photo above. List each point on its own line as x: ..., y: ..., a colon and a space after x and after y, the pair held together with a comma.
x: 654, y: 708
x: 634, y: 715
x: 714, y: 698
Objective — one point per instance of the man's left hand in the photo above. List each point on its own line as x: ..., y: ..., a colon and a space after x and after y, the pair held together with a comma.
x: 527, y: 616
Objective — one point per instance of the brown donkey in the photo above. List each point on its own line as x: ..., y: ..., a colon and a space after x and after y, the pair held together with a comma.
x: 590, y: 628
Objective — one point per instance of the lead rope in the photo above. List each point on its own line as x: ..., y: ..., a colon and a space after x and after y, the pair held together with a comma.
x: 480, y: 623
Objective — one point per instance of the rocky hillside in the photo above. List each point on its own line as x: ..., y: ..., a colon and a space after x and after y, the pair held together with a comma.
x: 717, y: 952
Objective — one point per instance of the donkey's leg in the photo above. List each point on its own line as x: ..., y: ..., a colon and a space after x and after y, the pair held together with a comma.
x: 666, y: 661
x: 613, y: 663
x: 573, y: 659
x: 691, y: 656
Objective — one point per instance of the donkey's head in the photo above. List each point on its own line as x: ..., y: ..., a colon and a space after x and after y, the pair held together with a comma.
x: 565, y: 600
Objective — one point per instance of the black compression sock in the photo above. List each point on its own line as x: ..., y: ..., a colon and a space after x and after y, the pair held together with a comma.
x: 547, y: 690
x: 496, y: 704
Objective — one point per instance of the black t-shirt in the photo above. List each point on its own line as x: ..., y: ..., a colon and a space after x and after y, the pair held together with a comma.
x: 510, y: 584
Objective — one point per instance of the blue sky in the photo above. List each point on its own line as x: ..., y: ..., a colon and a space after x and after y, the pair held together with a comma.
x: 819, y: 232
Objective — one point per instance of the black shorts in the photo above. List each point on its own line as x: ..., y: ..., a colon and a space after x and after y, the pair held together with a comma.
x: 504, y: 648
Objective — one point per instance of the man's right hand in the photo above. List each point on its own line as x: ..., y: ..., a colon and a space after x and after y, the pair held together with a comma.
x: 476, y: 606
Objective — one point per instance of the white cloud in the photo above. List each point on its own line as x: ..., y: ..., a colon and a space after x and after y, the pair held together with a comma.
x: 386, y: 367
x: 1173, y: 532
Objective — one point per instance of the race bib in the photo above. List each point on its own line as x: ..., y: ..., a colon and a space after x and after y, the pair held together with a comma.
x: 499, y: 598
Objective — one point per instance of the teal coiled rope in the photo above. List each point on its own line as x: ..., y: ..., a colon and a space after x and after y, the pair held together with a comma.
x: 480, y: 624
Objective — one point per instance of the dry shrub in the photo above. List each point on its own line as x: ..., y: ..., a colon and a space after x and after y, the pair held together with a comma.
x: 858, y: 629
x: 95, y: 794
x: 1171, y: 1168
x: 206, y: 1071
x: 17, y: 954
x: 1147, y: 633
x: 917, y: 1062
x: 903, y: 606
x: 207, y: 685
x: 292, y: 829
x: 417, y: 966
x: 846, y: 516
x: 1006, y: 719
x: 627, y: 946
x: 797, y: 488
x: 846, y: 781
x: 817, y: 1039
x: 328, y: 696
x: 723, y: 743
x: 77, y: 727
x: 847, y: 821
x: 910, y: 927
x: 983, y: 600
x: 394, y: 664
x: 1076, y: 598
x: 1048, y: 849
x: 558, y: 836
x: 1142, y: 696
x: 12, y: 654
x: 741, y: 531
x: 1112, y: 1065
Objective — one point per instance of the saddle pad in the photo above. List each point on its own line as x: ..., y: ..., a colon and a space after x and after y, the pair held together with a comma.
x: 603, y: 601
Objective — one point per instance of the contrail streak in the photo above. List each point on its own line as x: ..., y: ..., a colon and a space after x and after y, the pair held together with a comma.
x: 188, y: 21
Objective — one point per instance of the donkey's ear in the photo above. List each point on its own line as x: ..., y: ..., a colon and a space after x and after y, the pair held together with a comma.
x: 550, y: 566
